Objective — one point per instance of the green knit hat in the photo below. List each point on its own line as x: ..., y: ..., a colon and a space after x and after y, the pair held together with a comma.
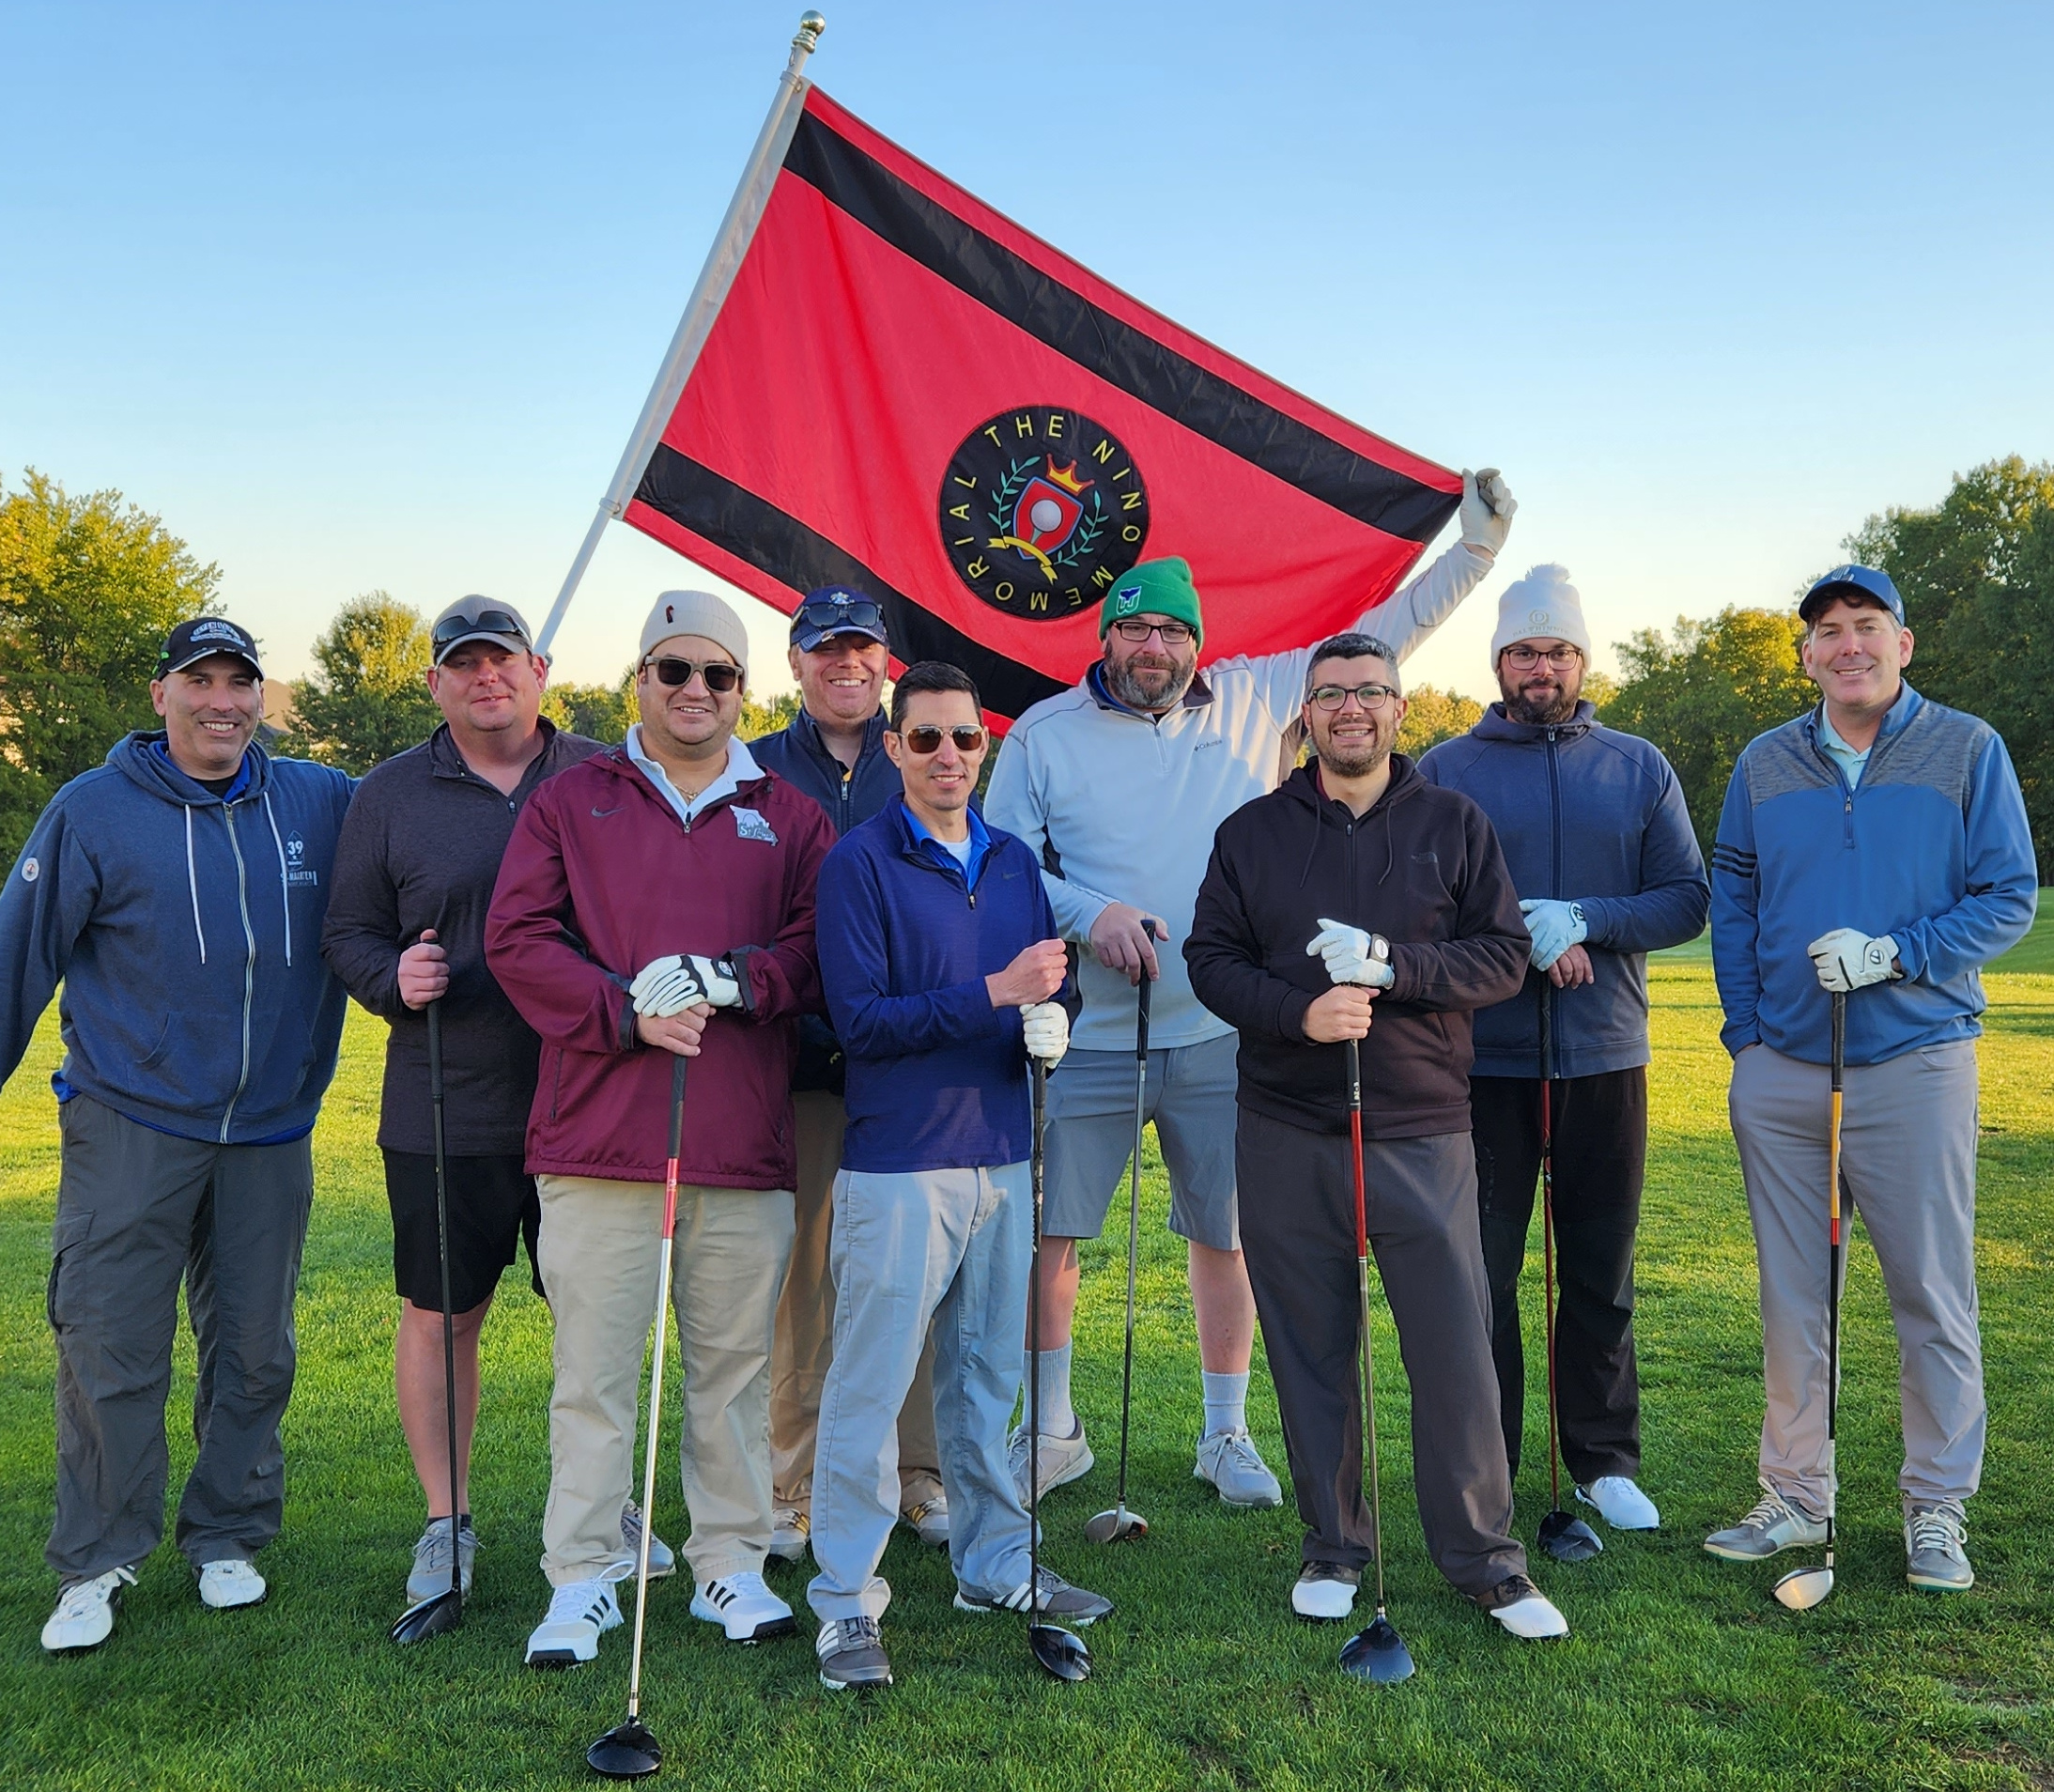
x: 1157, y: 588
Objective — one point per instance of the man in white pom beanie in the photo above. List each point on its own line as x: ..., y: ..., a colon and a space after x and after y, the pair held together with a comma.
x: 1599, y: 843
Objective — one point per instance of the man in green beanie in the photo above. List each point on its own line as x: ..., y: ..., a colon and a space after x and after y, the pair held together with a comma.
x: 1120, y: 782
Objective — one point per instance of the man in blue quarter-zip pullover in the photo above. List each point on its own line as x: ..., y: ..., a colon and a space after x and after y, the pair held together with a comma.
x: 200, y: 1027
x: 940, y: 963
x: 1876, y: 847
x: 1598, y: 839
x: 834, y: 751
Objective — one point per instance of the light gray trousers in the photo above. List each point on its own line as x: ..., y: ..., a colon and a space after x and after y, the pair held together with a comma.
x: 1908, y: 1165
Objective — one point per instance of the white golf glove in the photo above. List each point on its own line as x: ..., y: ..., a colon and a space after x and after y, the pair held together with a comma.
x: 1488, y: 509
x: 1351, y: 955
x: 1847, y: 959
x: 1045, y: 1029
x: 669, y: 985
x: 1555, y: 927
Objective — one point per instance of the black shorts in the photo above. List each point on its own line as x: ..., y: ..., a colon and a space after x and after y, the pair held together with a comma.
x: 492, y: 1208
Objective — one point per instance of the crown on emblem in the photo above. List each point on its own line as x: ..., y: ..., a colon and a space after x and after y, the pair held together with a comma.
x: 1066, y: 477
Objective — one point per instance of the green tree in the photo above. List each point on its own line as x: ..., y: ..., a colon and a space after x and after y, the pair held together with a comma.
x: 369, y: 699
x: 89, y: 587
x: 599, y: 712
x: 1703, y: 692
x: 1432, y: 715
x: 762, y: 716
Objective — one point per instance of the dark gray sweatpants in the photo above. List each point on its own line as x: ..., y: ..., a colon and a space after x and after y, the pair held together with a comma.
x: 136, y: 1210
x: 1298, y: 1237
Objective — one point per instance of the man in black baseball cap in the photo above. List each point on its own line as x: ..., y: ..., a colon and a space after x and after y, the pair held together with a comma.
x: 204, y: 636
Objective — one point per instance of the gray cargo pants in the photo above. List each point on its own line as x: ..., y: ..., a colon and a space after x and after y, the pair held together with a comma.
x: 136, y: 1210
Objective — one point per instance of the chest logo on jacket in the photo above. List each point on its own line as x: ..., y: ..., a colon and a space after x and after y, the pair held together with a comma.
x: 296, y: 870
x: 1042, y: 509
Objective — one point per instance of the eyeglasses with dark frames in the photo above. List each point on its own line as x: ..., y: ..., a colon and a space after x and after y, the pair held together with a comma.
x: 925, y: 737
x: 1174, y: 634
x: 1331, y: 697
x: 721, y: 675
x: 1526, y: 658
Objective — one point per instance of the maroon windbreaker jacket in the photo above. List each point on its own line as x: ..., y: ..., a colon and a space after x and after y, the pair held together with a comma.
x: 600, y: 877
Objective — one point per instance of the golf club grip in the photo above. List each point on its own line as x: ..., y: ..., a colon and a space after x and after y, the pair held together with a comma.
x: 677, y: 1108
x: 435, y: 1052
x: 1141, y: 1018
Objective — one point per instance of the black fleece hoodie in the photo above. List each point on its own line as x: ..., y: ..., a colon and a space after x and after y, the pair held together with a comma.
x: 1423, y: 869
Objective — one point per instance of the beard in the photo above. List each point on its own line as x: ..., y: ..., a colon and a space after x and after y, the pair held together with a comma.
x: 1127, y: 682
x: 1354, y: 760
x: 1544, y: 707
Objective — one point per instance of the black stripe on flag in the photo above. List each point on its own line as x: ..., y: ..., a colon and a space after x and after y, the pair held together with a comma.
x: 696, y: 498
x: 1118, y: 353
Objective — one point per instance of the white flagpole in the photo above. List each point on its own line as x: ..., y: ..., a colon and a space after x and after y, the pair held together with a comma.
x: 744, y: 211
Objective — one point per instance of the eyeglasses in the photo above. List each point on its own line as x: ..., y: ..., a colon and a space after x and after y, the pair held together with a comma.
x: 857, y: 613
x: 1526, y: 658
x: 926, y: 738
x: 1174, y: 634
x: 1372, y: 697
x: 486, y: 621
x: 721, y: 675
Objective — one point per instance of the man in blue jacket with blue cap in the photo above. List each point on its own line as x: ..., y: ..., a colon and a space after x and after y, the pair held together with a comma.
x: 1875, y: 847
x: 177, y: 893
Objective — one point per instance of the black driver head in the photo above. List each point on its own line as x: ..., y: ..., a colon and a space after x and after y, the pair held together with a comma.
x: 431, y: 1618
x: 627, y: 1752
x: 1059, y: 1651
x: 1377, y: 1654
x: 1567, y: 1537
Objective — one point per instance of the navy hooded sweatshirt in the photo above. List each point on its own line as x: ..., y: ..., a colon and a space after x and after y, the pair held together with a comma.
x: 186, y: 931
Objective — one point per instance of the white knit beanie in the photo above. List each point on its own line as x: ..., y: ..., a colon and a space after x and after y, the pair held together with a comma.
x: 697, y: 612
x: 1543, y: 606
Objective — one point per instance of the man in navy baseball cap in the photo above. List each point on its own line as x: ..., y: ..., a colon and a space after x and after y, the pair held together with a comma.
x: 834, y: 611
x: 1859, y: 586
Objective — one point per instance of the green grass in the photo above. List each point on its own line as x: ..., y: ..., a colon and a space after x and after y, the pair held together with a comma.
x: 1681, y: 1673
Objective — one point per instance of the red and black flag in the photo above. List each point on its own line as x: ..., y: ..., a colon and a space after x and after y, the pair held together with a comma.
x: 905, y: 391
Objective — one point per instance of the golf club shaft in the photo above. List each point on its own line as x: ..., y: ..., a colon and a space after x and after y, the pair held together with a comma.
x: 656, y: 1382
x: 449, y: 1318
x: 1133, y: 1220
x: 1361, y: 1279
x: 1547, y: 1225
x: 1835, y: 1244
x: 1038, y: 1074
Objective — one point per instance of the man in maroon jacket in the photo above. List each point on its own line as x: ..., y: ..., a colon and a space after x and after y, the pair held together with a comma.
x: 658, y: 900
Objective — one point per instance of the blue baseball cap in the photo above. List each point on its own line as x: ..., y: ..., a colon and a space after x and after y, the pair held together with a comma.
x: 1855, y: 583
x: 835, y: 610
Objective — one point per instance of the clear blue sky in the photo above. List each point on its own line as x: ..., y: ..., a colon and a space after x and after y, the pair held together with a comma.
x: 370, y: 295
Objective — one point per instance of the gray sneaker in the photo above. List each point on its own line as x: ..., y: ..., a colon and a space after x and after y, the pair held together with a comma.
x: 430, y: 1572
x: 928, y: 1519
x: 662, y: 1561
x: 852, y: 1655
x: 1774, y: 1525
x: 1058, y: 1600
x: 1228, y: 1459
x: 1062, y: 1459
x: 1936, y: 1553
x: 790, y: 1529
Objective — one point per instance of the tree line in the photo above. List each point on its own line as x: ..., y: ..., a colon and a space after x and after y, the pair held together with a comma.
x: 90, y: 585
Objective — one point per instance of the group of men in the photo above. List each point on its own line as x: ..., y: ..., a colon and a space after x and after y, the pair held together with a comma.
x: 861, y: 965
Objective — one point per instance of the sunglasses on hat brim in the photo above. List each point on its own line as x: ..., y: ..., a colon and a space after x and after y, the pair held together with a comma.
x: 453, y: 631
x: 861, y: 616
x: 721, y: 675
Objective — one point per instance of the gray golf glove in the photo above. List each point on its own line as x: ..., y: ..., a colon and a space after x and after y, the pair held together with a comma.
x: 1351, y: 955
x: 1555, y: 927
x: 670, y: 984
x: 1044, y: 1027
x: 1847, y: 959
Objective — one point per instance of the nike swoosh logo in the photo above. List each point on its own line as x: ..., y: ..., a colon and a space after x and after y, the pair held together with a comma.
x: 600, y: 815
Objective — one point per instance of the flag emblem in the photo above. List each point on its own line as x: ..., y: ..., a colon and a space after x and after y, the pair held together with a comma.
x: 1042, y: 509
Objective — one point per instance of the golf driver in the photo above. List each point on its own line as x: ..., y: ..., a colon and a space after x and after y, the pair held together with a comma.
x: 629, y: 1750
x: 443, y: 1611
x: 1376, y: 1652
x: 1562, y: 1535
x: 1059, y: 1651
x: 1110, y: 1527
x: 1802, y: 1588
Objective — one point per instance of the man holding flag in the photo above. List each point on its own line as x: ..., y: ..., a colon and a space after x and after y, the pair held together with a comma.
x: 1118, y: 784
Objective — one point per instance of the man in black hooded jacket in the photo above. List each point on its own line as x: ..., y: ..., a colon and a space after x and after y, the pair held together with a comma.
x: 1353, y: 844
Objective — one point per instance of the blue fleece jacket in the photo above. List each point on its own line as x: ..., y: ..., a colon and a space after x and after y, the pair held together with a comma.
x: 938, y: 1078
x: 1932, y: 847
x: 186, y: 929
x: 1589, y: 815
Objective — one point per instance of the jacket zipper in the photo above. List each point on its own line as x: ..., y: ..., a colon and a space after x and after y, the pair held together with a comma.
x: 1840, y: 777
x: 249, y: 965
x: 1554, y: 820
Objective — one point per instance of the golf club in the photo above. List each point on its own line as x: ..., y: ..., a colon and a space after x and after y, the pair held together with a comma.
x: 1059, y: 1651
x: 1110, y: 1527
x: 443, y: 1611
x: 1802, y: 1588
x: 629, y: 1750
x: 1562, y: 1535
x: 1376, y: 1652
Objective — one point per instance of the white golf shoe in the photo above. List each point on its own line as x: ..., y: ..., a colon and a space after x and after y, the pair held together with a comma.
x: 744, y: 1607
x: 1231, y: 1462
x: 1621, y: 1504
x: 1325, y: 1592
x: 661, y: 1561
x: 928, y: 1519
x: 229, y: 1583
x: 789, y: 1531
x: 568, y: 1636
x: 85, y: 1618
x: 1526, y: 1610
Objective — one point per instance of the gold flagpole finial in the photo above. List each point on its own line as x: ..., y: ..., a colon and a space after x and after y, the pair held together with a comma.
x: 811, y: 25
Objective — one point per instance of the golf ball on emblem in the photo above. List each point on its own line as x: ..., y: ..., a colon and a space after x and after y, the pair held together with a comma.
x: 1046, y: 514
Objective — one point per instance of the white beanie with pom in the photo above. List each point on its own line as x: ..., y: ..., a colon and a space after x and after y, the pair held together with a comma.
x: 1543, y: 606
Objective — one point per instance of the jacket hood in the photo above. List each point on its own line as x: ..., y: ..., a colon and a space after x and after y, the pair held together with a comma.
x: 1495, y: 724
x: 144, y: 759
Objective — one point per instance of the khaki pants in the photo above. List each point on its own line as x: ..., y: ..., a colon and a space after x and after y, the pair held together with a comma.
x: 600, y: 1263
x: 1908, y: 1164
x: 805, y: 1342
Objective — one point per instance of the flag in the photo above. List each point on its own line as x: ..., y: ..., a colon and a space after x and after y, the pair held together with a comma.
x: 905, y: 391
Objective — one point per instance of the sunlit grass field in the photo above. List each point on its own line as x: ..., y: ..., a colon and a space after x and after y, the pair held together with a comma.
x: 1681, y: 1673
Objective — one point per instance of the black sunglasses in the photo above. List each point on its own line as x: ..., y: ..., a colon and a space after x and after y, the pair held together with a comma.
x: 486, y: 621
x: 721, y: 675
x: 826, y: 613
x: 926, y: 737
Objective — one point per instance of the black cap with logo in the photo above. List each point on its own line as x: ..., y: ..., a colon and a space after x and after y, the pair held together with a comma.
x: 202, y: 637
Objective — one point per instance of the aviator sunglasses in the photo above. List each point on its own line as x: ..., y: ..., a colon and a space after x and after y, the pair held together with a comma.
x: 926, y: 738
x: 721, y: 677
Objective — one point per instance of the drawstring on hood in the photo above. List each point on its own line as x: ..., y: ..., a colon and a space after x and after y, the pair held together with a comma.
x: 284, y: 884
x: 1401, y: 771
x: 193, y: 882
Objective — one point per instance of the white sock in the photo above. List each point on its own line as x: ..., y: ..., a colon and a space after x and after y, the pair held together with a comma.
x: 1226, y: 1401
x: 1059, y: 1418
